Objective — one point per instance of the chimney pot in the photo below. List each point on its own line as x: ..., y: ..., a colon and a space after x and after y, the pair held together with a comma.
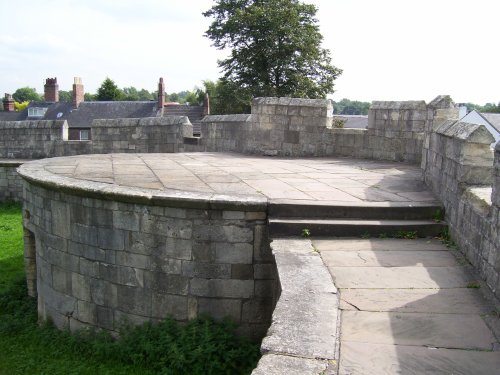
x: 78, y: 93
x: 8, y: 103
x: 51, y: 90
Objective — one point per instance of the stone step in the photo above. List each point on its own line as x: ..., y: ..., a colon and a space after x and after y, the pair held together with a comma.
x: 282, y: 227
x: 359, y: 210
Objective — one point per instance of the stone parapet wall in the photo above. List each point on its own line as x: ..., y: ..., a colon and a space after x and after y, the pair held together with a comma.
x: 11, y: 188
x: 105, y: 255
x: 459, y: 167
x: 31, y: 139
x: 151, y: 134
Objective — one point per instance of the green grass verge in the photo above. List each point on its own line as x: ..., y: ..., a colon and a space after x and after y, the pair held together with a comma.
x: 202, y: 346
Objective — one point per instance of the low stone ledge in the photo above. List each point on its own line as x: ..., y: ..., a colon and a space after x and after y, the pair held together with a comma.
x: 303, y: 337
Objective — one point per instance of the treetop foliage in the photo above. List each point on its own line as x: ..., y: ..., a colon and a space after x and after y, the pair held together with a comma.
x: 24, y: 94
x: 275, y: 48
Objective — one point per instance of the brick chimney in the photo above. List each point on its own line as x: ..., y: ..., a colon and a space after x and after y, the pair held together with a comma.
x: 161, y: 94
x: 8, y: 103
x: 206, y: 105
x: 51, y: 90
x: 78, y: 94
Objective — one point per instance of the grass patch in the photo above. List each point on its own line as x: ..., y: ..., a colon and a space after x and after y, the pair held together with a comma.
x: 202, y: 346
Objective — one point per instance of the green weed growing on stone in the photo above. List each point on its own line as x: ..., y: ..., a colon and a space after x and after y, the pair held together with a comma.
x: 473, y: 285
x: 306, y: 233
x: 383, y: 235
x: 438, y: 215
x: 365, y: 235
x: 406, y: 234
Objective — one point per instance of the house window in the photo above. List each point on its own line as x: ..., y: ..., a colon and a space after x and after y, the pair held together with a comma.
x: 84, y: 135
x: 36, y: 112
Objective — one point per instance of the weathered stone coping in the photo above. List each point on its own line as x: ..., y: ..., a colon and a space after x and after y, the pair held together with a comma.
x: 35, y: 173
x: 12, y: 163
x: 303, y: 337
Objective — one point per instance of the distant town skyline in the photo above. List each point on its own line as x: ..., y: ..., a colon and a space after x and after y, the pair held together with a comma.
x: 388, y: 50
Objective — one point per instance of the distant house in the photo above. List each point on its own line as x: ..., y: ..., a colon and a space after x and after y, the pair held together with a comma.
x: 490, y: 120
x: 80, y: 114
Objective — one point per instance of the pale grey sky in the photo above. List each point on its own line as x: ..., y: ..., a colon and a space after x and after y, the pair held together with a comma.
x: 388, y: 49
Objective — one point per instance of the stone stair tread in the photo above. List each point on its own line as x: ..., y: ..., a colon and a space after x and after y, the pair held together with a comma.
x: 362, y: 358
x: 457, y: 331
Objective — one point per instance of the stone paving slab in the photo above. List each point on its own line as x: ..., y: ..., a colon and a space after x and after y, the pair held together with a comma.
x: 368, y: 359
x: 389, y: 258
x: 376, y: 244
x: 443, y: 301
x: 457, y: 331
x: 306, y: 179
x: 401, y: 277
x: 406, y: 309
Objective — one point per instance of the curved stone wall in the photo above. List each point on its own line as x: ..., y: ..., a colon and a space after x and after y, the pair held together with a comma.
x: 99, y: 254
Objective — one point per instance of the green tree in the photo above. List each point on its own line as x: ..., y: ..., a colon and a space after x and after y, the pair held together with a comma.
x: 108, y: 91
x: 275, y: 48
x: 88, y: 97
x: 26, y: 94
x: 227, y: 97
x: 351, y: 107
x: 491, y: 108
x: 65, y: 96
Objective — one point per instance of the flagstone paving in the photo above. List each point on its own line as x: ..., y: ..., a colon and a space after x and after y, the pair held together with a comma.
x: 328, y: 180
x: 407, y: 309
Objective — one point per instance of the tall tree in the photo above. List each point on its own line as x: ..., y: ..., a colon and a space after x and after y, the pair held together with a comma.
x: 24, y: 94
x: 275, y: 47
x: 108, y: 91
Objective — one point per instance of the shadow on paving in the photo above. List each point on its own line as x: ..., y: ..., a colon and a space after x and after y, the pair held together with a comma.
x: 407, y: 309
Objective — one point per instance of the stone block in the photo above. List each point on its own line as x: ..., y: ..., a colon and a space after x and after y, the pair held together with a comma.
x: 258, y: 310
x: 124, y: 258
x: 80, y: 287
x: 126, y: 220
x: 220, y: 308
x: 164, y: 305
x: 84, y: 234
x: 61, y: 224
x: 264, y: 271
x: 133, y: 300
x: 105, y: 317
x: 167, y: 284
x: 86, y: 312
x: 103, y: 293
x: 234, y: 253
x: 227, y: 233
x: 242, y: 271
x: 264, y: 288
x: 222, y: 288
x: 206, y: 270
x: 112, y: 239
x: 61, y: 280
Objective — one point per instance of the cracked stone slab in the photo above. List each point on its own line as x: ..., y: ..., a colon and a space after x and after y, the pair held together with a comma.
x: 363, y: 358
x: 444, y: 301
x: 457, y: 331
x: 400, y: 277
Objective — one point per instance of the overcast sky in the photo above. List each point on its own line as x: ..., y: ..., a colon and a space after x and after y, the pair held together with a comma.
x: 388, y: 49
